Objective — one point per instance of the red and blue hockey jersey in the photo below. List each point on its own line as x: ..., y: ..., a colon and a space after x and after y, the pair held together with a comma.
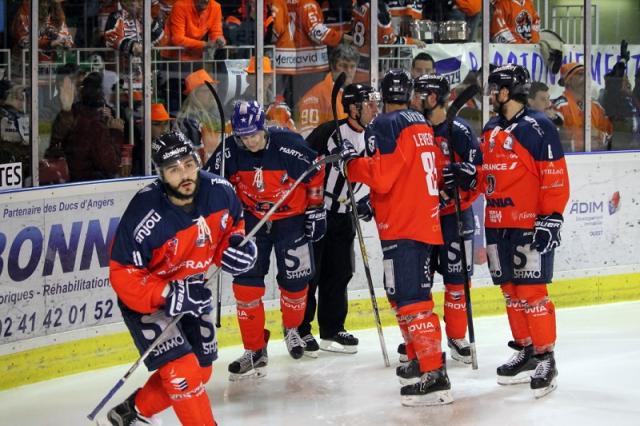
x: 262, y: 178
x: 157, y: 241
x: 524, y: 172
x: 401, y: 172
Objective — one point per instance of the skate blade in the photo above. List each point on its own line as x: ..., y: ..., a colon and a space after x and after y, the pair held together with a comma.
x: 256, y: 373
x: 332, y: 346
x: 311, y: 354
x: 539, y: 393
x: 104, y: 421
x: 461, y: 358
x: 520, y: 378
x: 435, y: 398
x: 408, y: 381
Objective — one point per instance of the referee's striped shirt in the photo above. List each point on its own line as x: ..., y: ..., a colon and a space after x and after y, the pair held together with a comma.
x: 324, y: 140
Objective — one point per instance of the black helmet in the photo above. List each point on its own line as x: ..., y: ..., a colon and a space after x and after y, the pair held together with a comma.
x: 396, y: 87
x: 170, y: 147
x: 515, y: 78
x: 357, y: 93
x: 432, y: 83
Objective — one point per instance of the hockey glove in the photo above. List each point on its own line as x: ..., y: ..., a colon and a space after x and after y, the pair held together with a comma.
x: 364, y: 209
x: 188, y: 296
x: 347, y: 153
x: 546, y: 234
x: 315, y: 223
x: 462, y: 174
x: 237, y: 259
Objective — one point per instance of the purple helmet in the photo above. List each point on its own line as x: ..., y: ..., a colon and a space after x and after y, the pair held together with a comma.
x: 248, y: 118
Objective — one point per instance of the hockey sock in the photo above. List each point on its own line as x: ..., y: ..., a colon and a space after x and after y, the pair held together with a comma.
x: 182, y: 381
x: 516, y: 315
x: 250, y: 312
x: 404, y: 329
x: 152, y: 398
x: 424, y: 329
x: 293, y: 305
x: 455, y: 311
x: 541, y: 316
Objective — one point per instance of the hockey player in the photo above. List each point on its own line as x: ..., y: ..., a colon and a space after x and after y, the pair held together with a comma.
x: 431, y: 97
x: 172, y: 231
x: 524, y: 177
x: 334, y: 253
x: 400, y: 170
x: 261, y: 165
x: 515, y: 21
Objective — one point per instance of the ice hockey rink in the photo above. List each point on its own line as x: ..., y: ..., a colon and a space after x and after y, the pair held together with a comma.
x: 598, y: 355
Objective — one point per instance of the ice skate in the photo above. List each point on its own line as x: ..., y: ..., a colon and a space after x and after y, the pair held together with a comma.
x: 295, y: 344
x: 460, y: 350
x: 433, y: 388
x: 125, y: 414
x: 409, y: 372
x: 543, y: 380
x: 519, y: 367
x: 252, y: 364
x: 342, y: 342
x: 311, y: 349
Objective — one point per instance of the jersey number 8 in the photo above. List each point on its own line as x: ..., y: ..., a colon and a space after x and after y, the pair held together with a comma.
x: 429, y: 166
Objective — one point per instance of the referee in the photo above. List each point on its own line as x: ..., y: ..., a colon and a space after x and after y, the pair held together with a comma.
x: 334, y: 254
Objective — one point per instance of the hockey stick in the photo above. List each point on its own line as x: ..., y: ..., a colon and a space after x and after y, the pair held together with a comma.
x: 337, y: 85
x: 466, y: 95
x: 222, y: 142
x: 317, y: 164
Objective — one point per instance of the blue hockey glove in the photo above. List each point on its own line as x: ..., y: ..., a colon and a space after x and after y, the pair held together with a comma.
x: 462, y: 174
x: 347, y: 153
x: 238, y: 259
x: 546, y: 234
x: 188, y: 296
x: 365, y: 209
x: 315, y: 223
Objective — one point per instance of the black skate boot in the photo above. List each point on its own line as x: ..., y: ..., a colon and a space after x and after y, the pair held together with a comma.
x: 543, y: 379
x: 409, y: 372
x: 295, y: 344
x: 311, y: 349
x: 460, y: 350
x: 402, y: 353
x: 519, y: 367
x: 342, y: 342
x: 433, y: 388
x: 252, y: 364
x: 125, y: 414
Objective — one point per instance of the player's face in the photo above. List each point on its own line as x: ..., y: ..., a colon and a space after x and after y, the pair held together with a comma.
x: 347, y: 67
x: 255, y: 142
x: 159, y: 128
x: 422, y: 67
x: 181, y: 177
x: 541, y: 102
x: 369, y: 111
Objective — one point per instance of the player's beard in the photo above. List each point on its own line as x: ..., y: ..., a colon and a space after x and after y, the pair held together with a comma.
x: 175, y: 191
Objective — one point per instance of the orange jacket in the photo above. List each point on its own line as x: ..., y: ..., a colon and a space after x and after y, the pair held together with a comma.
x: 572, y: 115
x: 469, y: 7
x: 314, y: 108
x: 284, y: 39
x: 188, y: 28
x: 515, y: 21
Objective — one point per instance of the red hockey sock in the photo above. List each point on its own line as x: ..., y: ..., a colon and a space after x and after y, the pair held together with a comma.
x: 182, y: 381
x: 541, y: 316
x: 516, y: 315
x: 250, y: 312
x: 411, y: 353
x: 152, y: 398
x: 293, y: 305
x: 424, y: 329
x: 455, y: 311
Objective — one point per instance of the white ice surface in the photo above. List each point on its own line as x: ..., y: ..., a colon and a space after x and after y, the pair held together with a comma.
x: 598, y: 356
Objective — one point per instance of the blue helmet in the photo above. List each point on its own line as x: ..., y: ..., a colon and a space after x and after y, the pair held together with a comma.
x: 396, y: 87
x: 248, y: 118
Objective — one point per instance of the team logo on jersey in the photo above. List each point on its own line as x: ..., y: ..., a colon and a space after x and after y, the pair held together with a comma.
x: 223, y: 221
x: 172, y: 246
x: 523, y: 25
x: 444, y: 147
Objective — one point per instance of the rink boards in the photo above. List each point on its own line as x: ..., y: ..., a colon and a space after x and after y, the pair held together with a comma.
x: 58, y: 314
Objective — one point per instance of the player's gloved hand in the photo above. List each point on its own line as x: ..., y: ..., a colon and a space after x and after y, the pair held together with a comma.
x: 238, y: 259
x: 188, y: 296
x: 546, y: 234
x: 364, y: 208
x: 347, y: 153
x: 315, y: 223
x: 462, y: 174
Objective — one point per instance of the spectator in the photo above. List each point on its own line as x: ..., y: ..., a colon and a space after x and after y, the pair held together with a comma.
x: 160, y: 9
x: 514, y: 22
x: 15, y: 145
x: 422, y: 64
x: 314, y: 107
x: 469, y: 11
x: 617, y: 101
x: 190, y: 22
x: 570, y: 109
x: 89, y: 134
x: 67, y: 81
x: 160, y: 120
x: 539, y: 100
